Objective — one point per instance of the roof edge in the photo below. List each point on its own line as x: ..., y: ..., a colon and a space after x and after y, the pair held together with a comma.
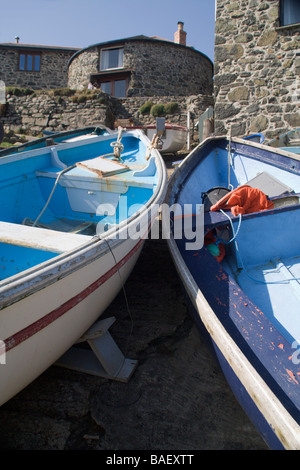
x: 115, y: 42
x: 13, y: 45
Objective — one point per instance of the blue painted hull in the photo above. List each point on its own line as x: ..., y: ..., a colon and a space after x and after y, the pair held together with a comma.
x: 247, y: 302
x: 54, y: 139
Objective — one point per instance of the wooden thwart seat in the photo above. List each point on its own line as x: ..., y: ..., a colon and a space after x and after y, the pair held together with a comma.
x: 40, y: 238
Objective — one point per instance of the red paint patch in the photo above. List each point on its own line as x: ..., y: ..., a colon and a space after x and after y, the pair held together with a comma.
x: 292, y: 376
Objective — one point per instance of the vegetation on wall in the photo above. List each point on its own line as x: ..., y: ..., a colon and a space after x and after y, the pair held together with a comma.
x: 159, y: 109
x: 146, y: 107
x: 16, y: 91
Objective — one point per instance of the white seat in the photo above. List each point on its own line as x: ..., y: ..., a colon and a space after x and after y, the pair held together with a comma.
x: 40, y: 238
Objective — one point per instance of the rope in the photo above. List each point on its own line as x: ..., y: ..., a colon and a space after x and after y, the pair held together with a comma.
x: 51, y: 194
x: 118, y: 146
x: 229, y: 160
x: 155, y: 144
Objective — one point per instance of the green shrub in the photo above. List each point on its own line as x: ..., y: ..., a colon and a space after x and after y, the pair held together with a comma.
x: 158, y: 110
x: 146, y: 107
x: 171, y: 108
x: 81, y: 99
x: 16, y: 91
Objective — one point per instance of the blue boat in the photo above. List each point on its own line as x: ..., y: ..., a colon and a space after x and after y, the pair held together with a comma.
x: 73, y: 221
x: 242, y: 276
x: 54, y: 138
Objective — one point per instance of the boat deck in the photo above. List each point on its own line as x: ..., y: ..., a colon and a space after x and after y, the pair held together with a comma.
x: 275, y: 288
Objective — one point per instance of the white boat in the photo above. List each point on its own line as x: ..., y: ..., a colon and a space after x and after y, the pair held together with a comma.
x: 289, y: 141
x: 74, y: 223
x: 172, y: 138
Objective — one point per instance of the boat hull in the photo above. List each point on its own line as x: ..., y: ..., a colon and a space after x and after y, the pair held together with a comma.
x: 174, y: 137
x: 62, y: 312
x: 236, y: 385
x: 255, y: 356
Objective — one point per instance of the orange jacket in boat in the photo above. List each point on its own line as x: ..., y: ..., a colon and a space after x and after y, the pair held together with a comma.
x: 244, y: 200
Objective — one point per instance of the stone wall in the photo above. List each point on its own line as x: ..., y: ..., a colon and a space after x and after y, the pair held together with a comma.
x: 45, y: 111
x: 257, y: 69
x: 48, y: 111
x: 158, y: 68
x: 81, y: 67
x: 53, y: 69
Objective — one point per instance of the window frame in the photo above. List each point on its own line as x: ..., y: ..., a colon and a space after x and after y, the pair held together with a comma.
x: 111, y: 78
x: 112, y: 81
x: 101, y: 68
x: 26, y: 54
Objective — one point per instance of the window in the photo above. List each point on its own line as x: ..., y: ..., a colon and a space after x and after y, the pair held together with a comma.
x: 115, y: 87
x: 289, y: 12
x: 111, y: 59
x: 29, y: 62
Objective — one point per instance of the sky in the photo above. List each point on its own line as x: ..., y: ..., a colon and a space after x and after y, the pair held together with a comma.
x: 81, y: 23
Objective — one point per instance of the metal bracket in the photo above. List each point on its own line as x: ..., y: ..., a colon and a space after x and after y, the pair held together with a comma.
x: 103, y: 358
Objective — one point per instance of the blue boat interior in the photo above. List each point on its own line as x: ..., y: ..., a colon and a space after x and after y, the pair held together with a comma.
x: 262, y: 248
x: 78, y: 189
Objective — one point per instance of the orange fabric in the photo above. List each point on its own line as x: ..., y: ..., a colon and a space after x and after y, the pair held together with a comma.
x: 244, y: 200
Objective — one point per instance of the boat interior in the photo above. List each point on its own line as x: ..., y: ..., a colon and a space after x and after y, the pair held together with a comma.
x: 59, y: 197
x: 262, y: 249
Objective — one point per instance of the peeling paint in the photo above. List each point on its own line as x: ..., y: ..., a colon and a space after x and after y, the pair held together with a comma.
x: 292, y: 376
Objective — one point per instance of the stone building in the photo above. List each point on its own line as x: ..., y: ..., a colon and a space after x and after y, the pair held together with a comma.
x: 143, y: 66
x: 257, y: 66
x: 33, y: 66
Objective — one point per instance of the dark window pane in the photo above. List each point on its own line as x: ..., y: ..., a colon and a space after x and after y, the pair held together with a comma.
x: 22, y: 62
x: 105, y: 86
x: 290, y: 12
x: 29, y: 62
x: 37, y: 63
x: 120, y: 88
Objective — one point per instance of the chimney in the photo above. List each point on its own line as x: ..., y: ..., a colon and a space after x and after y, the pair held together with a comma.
x: 180, y: 35
x: 17, y: 39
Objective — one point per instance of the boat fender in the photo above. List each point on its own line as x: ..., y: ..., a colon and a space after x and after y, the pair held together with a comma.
x: 213, y: 249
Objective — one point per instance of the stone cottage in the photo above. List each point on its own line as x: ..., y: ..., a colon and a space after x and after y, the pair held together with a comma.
x: 143, y: 66
x: 34, y: 66
x: 257, y: 66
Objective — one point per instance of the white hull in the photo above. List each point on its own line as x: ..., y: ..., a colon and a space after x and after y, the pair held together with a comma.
x: 48, y: 321
x: 173, y: 140
x: 45, y: 324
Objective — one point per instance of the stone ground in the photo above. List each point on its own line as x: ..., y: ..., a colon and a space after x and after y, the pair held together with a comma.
x: 177, y: 398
